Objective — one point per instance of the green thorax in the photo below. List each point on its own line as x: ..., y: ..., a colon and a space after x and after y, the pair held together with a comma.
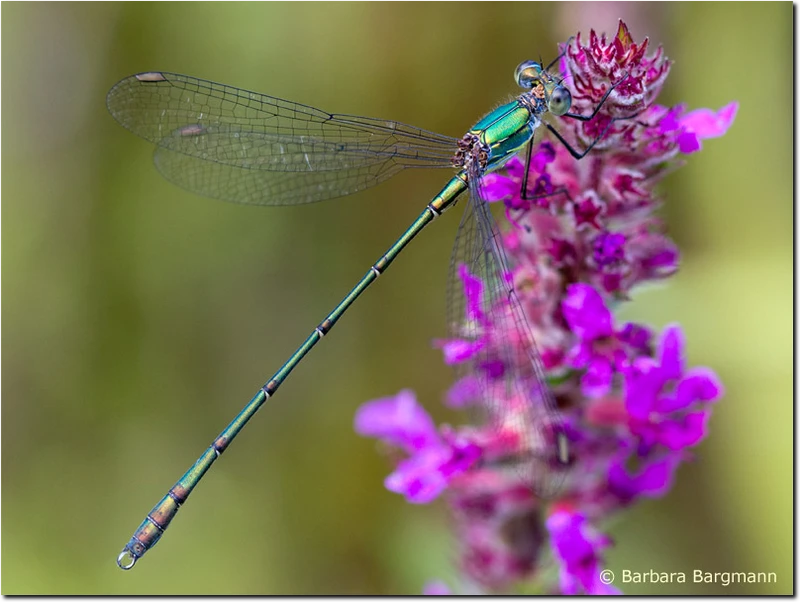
x: 505, y: 131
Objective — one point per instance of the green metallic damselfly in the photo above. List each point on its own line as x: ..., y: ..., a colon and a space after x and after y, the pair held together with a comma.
x: 235, y: 145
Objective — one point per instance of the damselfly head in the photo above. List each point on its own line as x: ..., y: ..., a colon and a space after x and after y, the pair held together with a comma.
x: 530, y: 75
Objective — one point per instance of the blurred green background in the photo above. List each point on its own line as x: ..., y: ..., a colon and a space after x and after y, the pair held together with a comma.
x: 139, y: 318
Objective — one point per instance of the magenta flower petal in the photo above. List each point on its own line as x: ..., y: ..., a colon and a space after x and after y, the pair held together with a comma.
x: 515, y: 168
x: 688, y: 142
x: 418, y: 478
x: 668, y: 119
x: 709, y: 124
x: 667, y: 404
x: 699, y: 384
x: 464, y: 392
x: 657, y: 255
x: 473, y: 293
x: 463, y: 454
x: 586, y: 313
x: 637, y: 337
x: 653, y: 480
x: 457, y: 351
x: 596, y: 381
x: 686, y: 431
x: 587, y: 211
x: 562, y: 251
x: 426, y: 474
x: 577, y: 547
x: 643, y: 382
x: 545, y: 154
x: 581, y: 355
x: 496, y: 187
x: 609, y: 249
x: 398, y: 420
x: 492, y: 369
x: 670, y: 350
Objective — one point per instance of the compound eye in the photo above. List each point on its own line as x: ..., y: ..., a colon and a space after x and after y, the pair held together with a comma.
x: 560, y: 101
x: 527, y: 73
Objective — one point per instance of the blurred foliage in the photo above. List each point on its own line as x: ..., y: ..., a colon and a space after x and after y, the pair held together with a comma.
x: 139, y: 318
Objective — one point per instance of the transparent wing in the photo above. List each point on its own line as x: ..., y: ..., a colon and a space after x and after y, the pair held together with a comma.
x: 260, y: 187
x: 514, y: 398
x: 209, y: 135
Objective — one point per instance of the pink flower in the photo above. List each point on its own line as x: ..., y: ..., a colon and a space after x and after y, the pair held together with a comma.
x: 433, y: 460
x: 583, y: 237
x: 578, y: 548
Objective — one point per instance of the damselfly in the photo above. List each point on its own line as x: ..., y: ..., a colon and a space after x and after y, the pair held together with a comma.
x: 231, y: 144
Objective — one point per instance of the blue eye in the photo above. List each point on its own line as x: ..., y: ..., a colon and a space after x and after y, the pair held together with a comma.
x: 527, y: 73
x: 560, y: 101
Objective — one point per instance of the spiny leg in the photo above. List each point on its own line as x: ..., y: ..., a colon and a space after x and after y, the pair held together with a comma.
x: 599, y: 104
x: 528, y: 154
x: 569, y: 148
x: 585, y: 118
x: 581, y: 155
x: 525, y: 194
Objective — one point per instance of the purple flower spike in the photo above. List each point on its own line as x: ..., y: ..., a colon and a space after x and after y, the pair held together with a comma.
x: 580, y: 241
